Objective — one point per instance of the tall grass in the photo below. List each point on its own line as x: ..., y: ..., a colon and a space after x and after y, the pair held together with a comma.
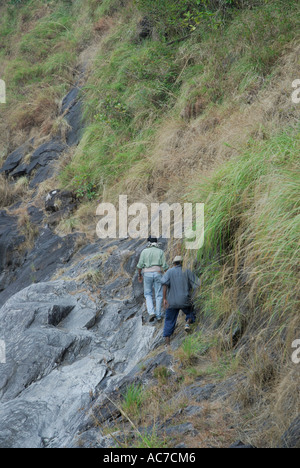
x: 252, y: 230
x: 133, y: 399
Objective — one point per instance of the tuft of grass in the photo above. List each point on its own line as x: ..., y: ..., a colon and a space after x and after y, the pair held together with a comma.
x: 162, y: 374
x: 132, y: 400
x: 11, y: 192
x: 193, y: 346
x: 150, y: 440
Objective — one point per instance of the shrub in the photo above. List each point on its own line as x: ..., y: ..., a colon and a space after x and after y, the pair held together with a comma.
x: 132, y: 400
x: 173, y: 17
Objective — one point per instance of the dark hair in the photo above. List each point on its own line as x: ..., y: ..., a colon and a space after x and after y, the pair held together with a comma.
x: 153, y: 240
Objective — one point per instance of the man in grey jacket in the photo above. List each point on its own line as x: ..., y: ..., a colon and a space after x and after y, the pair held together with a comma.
x: 177, y: 288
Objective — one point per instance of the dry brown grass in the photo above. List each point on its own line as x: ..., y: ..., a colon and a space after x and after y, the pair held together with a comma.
x: 103, y: 25
x: 26, y: 228
x: 215, y: 425
x: 185, y: 151
x: 39, y: 110
x: 11, y: 192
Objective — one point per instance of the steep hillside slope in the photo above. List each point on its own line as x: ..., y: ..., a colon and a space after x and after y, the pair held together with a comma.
x: 167, y: 101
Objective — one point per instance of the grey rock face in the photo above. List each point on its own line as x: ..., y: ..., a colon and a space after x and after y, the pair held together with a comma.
x: 66, y: 346
x: 49, y: 254
x: 69, y: 341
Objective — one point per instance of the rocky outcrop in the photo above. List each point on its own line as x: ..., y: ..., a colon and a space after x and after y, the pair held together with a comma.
x: 64, y: 341
x: 73, y: 318
x: 39, y: 164
x: 59, y: 205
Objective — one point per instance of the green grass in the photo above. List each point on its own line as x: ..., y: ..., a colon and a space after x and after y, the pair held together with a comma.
x: 150, y: 440
x: 132, y: 400
x: 124, y: 100
x: 40, y: 42
x: 193, y: 347
x: 136, y: 87
x: 252, y: 227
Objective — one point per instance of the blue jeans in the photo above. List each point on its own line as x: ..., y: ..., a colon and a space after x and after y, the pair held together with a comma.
x: 172, y: 316
x: 153, y: 281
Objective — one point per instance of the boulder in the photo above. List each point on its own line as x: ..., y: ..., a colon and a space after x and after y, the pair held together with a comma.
x: 291, y: 438
x: 145, y: 29
x: 44, y: 154
x: 13, y: 160
x: 72, y: 111
x: 69, y: 352
x: 49, y: 254
x: 240, y: 445
x: 59, y: 204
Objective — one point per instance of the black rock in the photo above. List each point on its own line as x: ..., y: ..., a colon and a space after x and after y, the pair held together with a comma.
x: 49, y: 254
x: 198, y: 393
x: 238, y: 444
x: 181, y: 429
x: 291, y: 438
x: 57, y: 200
x: 72, y: 111
x: 10, y: 240
x: 13, y: 160
x: 44, y: 154
x: 145, y: 29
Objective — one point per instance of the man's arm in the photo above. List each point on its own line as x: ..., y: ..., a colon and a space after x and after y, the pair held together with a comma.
x: 140, y: 267
x: 165, y: 266
x: 165, y: 281
x: 165, y: 301
x: 140, y: 275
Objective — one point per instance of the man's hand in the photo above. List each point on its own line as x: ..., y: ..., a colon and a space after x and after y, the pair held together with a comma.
x: 166, y: 305
x: 140, y: 279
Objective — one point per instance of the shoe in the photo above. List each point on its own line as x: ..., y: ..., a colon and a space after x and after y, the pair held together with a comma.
x: 152, y: 317
x: 187, y: 328
x: 159, y: 318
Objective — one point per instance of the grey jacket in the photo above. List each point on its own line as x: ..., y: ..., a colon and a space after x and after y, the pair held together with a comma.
x: 180, y: 286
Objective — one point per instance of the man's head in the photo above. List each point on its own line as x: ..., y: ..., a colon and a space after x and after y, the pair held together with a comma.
x: 152, y: 240
x: 177, y: 261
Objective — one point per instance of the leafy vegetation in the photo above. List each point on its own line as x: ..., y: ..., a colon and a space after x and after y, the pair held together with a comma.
x: 133, y: 399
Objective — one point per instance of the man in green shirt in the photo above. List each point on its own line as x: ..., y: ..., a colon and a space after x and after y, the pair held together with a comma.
x: 151, y: 265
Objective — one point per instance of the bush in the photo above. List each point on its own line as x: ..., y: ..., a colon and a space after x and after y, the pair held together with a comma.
x: 183, y: 16
x: 133, y: 399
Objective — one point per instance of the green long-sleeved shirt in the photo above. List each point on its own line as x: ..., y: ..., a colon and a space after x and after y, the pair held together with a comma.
x: 152, y: 256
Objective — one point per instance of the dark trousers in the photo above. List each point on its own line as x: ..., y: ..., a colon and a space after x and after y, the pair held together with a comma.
x: 172, y: 316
